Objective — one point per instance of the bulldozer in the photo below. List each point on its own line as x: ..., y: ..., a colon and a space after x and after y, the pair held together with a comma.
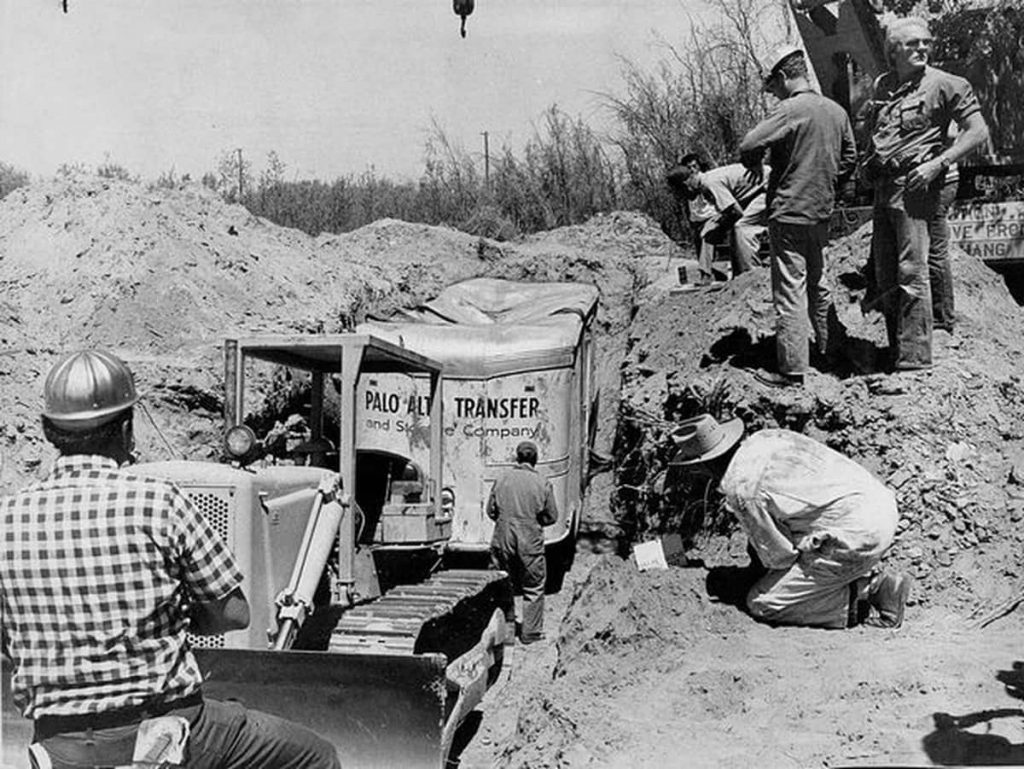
x: 358, y: 520
x: 356, y: 632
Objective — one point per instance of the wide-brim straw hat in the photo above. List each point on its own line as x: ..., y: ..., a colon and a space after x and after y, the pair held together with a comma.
x: 702, y: 438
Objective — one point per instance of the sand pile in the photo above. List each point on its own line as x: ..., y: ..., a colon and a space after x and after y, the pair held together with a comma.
x: 161, y: 276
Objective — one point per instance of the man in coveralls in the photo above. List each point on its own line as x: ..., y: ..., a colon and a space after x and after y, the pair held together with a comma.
x: 521, y: 504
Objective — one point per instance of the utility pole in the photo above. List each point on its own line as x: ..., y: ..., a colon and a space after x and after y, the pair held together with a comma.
x: 240, y: 167
x: 487, y: 164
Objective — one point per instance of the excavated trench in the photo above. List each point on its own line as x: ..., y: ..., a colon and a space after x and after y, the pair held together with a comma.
x: 948, y: 440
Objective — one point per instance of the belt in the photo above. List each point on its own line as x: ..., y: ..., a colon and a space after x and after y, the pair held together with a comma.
x: 49, y: 726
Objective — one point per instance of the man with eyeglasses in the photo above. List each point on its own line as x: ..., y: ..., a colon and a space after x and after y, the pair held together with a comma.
x: 908, y: 121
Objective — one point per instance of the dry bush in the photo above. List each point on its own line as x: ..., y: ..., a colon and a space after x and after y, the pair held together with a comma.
x: 564, y: 177
x: 702, y: 97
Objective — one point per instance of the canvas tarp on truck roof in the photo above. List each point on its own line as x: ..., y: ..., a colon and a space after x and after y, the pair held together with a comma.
x: 488, y: 327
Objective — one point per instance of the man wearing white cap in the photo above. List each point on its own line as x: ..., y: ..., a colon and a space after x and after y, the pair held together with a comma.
x: 809, y: 142
x: 815, y: 519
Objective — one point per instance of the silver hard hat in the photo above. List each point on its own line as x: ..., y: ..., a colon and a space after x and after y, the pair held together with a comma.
x: 87, y: 389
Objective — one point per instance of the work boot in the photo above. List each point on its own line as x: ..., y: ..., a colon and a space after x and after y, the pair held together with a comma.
x: 773, y: 379
x: 887, y: 594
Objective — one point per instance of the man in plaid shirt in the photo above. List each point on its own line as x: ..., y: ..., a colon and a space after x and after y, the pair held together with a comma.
x: 103, y: 573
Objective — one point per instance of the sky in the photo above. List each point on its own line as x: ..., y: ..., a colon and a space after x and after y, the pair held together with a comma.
x: 334, y: 87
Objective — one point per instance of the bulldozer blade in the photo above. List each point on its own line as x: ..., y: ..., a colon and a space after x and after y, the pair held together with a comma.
x: 377, y: 710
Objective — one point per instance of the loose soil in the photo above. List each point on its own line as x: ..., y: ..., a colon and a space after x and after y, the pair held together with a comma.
x: 639, y: 669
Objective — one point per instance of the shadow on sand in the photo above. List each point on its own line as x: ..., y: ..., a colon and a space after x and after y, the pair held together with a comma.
x: 951, y: 744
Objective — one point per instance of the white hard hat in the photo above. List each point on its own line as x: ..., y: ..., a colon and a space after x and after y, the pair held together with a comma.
x: 779, y: 55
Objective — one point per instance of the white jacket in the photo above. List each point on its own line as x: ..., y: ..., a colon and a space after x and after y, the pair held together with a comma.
x: 792, y: 494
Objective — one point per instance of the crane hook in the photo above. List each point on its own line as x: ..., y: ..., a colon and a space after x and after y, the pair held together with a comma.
x: 462, y: 9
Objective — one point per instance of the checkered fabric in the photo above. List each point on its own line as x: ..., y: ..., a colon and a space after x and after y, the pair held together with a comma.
x: 98, y: 566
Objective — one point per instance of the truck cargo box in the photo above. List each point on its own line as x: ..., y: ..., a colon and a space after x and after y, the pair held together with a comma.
x: 518, y: 365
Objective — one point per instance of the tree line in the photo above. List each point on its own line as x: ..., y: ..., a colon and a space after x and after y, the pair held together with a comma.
x: 702, y: 96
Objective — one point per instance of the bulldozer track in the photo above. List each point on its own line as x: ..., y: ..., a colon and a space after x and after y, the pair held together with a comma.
x: 440, y: 614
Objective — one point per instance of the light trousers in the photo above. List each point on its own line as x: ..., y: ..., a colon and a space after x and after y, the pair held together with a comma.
x: 800, y: 292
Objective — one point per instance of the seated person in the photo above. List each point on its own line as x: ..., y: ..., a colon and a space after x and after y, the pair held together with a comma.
x: 741, y: 217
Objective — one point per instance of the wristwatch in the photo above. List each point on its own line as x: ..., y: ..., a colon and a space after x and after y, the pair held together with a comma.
x: 945, y: 162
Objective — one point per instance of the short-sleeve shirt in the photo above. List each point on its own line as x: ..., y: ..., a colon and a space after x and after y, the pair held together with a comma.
x: 732, y: 184
x: 699, y: 209
x: 98, y: 565
x: 910, y: 121
x: 784, y: 486
x: 810, y: 146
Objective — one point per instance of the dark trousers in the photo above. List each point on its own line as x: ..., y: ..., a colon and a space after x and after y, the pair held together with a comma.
x: 528, y: 572
x: 225, y: 735
x: 940, y: 272
x: 899, y: 249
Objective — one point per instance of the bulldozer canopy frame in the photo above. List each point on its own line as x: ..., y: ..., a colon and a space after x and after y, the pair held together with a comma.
x: 350, y: 356
x: 325, y: 353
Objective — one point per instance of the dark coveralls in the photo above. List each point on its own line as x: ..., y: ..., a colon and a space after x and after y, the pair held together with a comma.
x: 521, y: 505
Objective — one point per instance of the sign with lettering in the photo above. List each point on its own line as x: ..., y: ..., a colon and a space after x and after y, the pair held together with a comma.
x: 393, y: 416
x: 484, y: 421
x: 992, y: 232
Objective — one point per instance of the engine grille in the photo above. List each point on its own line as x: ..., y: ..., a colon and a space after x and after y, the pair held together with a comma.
x: 215, y: 506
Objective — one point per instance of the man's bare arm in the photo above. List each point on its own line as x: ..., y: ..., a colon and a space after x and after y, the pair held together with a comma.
x: 973, y: 134
x: 214, y: 617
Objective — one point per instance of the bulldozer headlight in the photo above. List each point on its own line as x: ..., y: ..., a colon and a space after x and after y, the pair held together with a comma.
x: 239, y: 441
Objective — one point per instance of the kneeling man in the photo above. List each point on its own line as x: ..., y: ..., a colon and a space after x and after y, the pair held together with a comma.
x: 817, y: 521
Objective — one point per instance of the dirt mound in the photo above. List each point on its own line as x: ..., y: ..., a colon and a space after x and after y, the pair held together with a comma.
x: 161, y: 276
x: 649, y: 673
x: 949, y: 440
x: 105, y: 262
x: 648, y: 668
x: 621, y: 628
